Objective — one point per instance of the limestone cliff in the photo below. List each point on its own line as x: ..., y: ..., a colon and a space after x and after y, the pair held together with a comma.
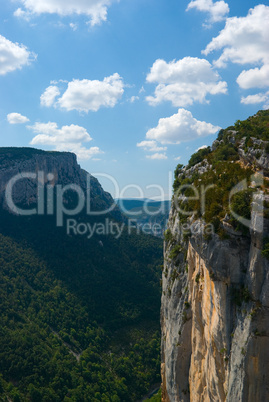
x: 215, y: 300
x: 55, y: 168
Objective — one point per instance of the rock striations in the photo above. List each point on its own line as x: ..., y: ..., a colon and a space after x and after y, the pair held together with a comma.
x: 50, y: 168
x: 215, y: 300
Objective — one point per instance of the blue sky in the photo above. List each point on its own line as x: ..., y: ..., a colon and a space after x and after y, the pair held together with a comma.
x: 133, y: 87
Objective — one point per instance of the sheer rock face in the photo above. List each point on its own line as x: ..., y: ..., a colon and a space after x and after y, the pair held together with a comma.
x: 215, y: 317
x: 51, y: 168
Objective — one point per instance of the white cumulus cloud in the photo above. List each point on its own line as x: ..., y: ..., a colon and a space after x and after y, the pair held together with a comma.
x: 184, y: 82
x: 217, y: 11
x: 181, y: 126
x: 244, y: 40
x: 48, y: 97
x: 156, y: 156
x: 95, y: 9
x: 150, y: 146
x: 67, y: 138
x: 255, y: 77
x: 50, y: 134
x: 13, y: 56
x: 86, y: 95
x: 257, y: 98
x: 17, y: 118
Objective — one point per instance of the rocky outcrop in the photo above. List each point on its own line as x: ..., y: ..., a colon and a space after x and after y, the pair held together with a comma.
x: 51, y: 169
x: 255, y: 155
x: 215, y: 304
x: 199, y: 168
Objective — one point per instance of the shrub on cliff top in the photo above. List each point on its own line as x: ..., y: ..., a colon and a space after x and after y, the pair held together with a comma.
x: 198, y: 156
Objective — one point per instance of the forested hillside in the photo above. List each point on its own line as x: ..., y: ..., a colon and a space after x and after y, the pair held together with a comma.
x: 79, y: 317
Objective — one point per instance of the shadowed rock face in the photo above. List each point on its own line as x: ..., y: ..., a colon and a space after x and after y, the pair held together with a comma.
x: 213, y: 348
x: 54, y: 168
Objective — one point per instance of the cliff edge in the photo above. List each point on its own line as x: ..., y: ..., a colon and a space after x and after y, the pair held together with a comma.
x: 48, y: 168
x: 215, y: 281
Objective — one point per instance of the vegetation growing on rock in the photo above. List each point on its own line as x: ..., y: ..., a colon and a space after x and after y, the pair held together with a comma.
x: 215, y: 171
